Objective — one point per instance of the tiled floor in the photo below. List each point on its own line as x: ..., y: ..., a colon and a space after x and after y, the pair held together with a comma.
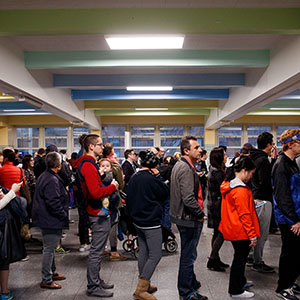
x: 26, y: 276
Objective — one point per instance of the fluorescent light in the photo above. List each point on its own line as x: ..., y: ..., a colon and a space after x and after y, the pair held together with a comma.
x: 149, y: 88
x: 148, y: 108
x: 17, y: 110
x: 284, y: 108
x: 124, y: 42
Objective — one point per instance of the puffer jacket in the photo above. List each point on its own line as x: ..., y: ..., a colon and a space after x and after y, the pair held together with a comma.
x: 282, y: 174
x: 238, y: 216
x: 184, y: 208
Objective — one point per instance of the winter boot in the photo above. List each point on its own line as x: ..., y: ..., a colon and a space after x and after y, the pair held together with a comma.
x: 141, y: 290
x: 152, y: 288
x: 213, y: 265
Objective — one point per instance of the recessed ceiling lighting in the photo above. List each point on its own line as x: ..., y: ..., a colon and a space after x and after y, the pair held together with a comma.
x: 149, y: 108
x: 149, y: 88
x: 127, y: 42
x: 284, y: 108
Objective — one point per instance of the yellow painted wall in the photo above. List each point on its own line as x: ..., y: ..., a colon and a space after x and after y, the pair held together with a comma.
x: 3, y: 136
x: 33, y: 120
x: 210, y: 137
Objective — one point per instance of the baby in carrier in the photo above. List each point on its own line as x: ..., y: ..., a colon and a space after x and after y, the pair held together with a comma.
x: 109, y: 204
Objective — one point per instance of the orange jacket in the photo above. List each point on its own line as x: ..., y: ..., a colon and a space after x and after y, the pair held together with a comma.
x: 10, y: 174
x: 238, y: 216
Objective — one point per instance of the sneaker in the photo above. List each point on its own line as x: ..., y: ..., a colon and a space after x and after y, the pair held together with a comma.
x: 84, y: 248
x: 262, y: 268
x: 248, y: 285
x: 194, y: 296
x: 244, y: 295
x: 296, y: 289
x: 8, y: 296
x: 26, y: 258
x: 249, y: 262
x: 62, y: 250
x: 287, y: 294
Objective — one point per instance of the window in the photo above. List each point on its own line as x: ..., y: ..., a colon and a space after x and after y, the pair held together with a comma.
x: 254, y: 131
x: 77, y: 132
x: 142, y: 138
x: 115, y: 135
x: 198, y: 132
x: 170, y: 138
x: 57, y: 136
x: 27, y: 140
x: 231, y: 137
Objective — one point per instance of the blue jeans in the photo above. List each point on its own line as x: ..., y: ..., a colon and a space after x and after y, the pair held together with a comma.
x: 186, y: 276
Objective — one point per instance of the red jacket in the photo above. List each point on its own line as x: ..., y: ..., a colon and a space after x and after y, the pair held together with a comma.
x: 10, y: 174
x: 92, y: 186
x: 238, y: 216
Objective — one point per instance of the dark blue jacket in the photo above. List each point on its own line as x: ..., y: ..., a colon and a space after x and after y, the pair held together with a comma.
x: 13, y: 207
x: 286, y: 207
x: 51, y: 202
x: 145, y: 196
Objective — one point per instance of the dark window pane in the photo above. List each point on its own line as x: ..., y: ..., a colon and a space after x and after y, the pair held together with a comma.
x: 281, y: 129
x: 117, y: 142
x: 142, y: 131
x: 201, y: 141
x: 230, y: 131
x: 80, y: 131
x: 59, y: 142
x: 171, y: 151
x: 232, y: 151
x: 142, y: 142
x: 59, y: 131
x: 171, y: 131
x: 257, y: 130
x: 196, y: 130
x: 253, y: 141
x: 230, y: 141
x: 113, y: 131
x: 27, y: 143
x: 170, y: 142
x: 27, y: 132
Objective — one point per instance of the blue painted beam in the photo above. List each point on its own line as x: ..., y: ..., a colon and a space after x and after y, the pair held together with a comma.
x: 14, y: 105
x: 110, y: 80
x: 216, y: 94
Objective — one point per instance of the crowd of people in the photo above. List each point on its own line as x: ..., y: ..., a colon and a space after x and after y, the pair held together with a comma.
x: 243, y: 200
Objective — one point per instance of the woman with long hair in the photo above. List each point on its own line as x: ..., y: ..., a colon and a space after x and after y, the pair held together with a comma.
x: 239, y: 224
x: 216, y: 176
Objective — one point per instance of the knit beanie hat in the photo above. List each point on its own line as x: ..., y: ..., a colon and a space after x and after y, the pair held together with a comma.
x: 148, y: 159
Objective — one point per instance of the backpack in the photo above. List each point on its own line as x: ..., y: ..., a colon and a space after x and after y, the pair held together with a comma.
x: 77, y: 182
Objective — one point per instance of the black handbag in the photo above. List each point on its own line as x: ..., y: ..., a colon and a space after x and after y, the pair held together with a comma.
x: 12, y: 248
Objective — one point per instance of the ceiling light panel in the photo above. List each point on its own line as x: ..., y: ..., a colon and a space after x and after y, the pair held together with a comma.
x: 149, y: 88
x: 138, y: 42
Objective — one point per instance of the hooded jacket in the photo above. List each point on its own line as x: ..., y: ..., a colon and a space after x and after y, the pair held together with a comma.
x: 282, y: 173
x: 261, y: 184
x: 92, y: 186
x: 238, y: 216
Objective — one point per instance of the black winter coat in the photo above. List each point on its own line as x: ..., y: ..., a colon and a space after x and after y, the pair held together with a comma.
x: 51, y: 202
x: 214, y: 197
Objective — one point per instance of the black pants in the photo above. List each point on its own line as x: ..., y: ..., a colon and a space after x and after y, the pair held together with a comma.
x: 237, y: 273
x: 84, y: 223
x: 289, y: 261
x: 216, y: 244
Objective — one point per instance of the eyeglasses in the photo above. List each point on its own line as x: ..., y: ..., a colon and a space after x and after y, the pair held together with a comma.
x: 100, y: 145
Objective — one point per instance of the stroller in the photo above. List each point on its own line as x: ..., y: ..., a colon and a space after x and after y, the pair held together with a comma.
x: 131, y: 245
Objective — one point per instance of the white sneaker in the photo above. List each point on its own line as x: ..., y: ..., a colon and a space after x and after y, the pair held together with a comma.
x: 84, y: 248
x: 244, y: 295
